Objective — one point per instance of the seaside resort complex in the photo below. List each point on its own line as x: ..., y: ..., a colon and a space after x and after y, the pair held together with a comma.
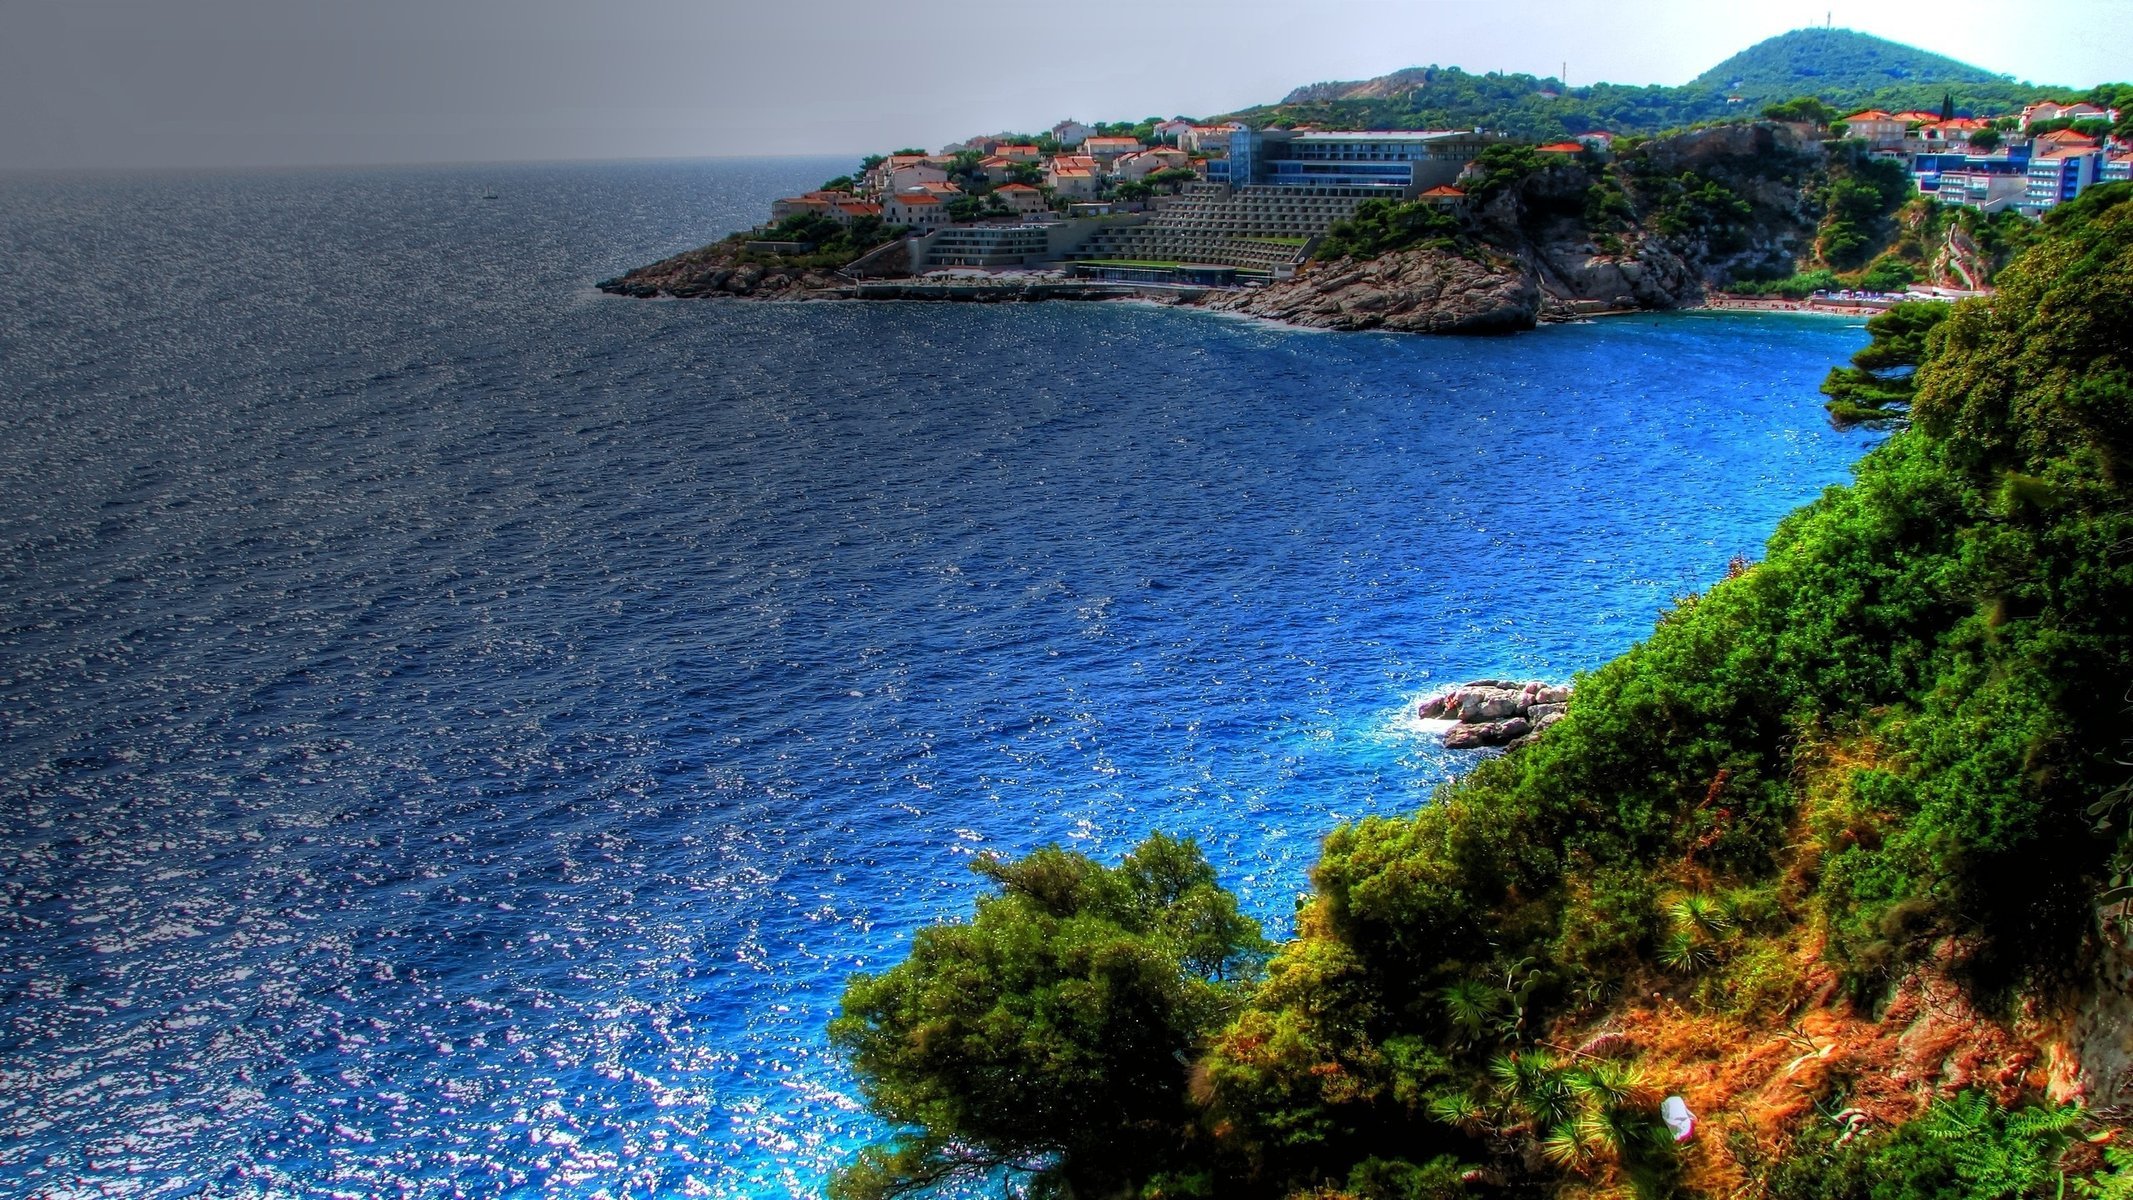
x: 1241, y: 206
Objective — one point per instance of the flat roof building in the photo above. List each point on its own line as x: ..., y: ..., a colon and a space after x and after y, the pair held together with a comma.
x: 1379, y: 162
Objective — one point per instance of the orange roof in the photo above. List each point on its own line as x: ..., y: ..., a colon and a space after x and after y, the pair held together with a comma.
x: 860, y: 208
x: 2067, y: 137
x: 1872, y: 114
x: 1918, y: 115
x: 918, y: 198
x: 1445, y: 190
x: 1015, y: 187
x: 1563, y: 148
x: 1074, y: 173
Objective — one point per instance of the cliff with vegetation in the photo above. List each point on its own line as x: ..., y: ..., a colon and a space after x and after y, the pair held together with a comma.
x: 1836, y: 855
x: 1549, y: 236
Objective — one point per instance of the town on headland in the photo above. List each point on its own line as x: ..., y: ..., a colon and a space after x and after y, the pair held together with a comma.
x: 1289, y: 213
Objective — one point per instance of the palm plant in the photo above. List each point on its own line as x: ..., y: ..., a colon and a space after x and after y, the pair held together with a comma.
x: 1473, y: 1007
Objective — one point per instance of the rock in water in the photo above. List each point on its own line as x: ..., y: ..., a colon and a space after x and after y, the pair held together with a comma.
x: 1496, y: 712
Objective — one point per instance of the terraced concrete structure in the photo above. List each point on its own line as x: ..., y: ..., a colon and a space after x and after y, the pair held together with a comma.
x: 1263, y: 231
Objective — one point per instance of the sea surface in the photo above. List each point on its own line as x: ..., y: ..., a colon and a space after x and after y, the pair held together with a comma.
x: 458, y: 731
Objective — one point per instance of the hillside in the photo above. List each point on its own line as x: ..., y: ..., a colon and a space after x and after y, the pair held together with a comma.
x: 1816, y: 61
x: 1843, y: 67
x: 1831, y: 855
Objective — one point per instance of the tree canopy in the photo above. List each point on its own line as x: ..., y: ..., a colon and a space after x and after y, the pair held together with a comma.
x: 1876, y: 389
x: 1050, y: 1034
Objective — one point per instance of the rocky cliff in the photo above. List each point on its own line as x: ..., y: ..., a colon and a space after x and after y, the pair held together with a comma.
x: 723, y: 269
x: 1652, y: 230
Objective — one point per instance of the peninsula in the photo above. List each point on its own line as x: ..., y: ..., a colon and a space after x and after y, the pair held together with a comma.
x: 1488, y: 227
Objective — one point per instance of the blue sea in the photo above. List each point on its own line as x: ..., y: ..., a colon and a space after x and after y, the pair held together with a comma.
x: 458, y: 730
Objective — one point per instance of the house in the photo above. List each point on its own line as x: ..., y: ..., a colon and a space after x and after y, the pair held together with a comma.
x: 1080, y: 162
x: 1075, y: 182
x: 922, y: 211
x: 2062, y: 139
x: 1954, y: 132
x: 1562, y: 148
x: 848, y: 211
x: 1107, y: 150
x: 1148, y: 162
x: 1022, y: 198
x: 1444, y: 193
x: 911, y: 175
x: 794, y: 206
x: 945, y: 190
x: 1918, y: 116
x: 1173, y: 130
x: 1019, y: 152
x: 1070, y: 133
x: 995, y: 168
x: 1881, y: 130
x: 2077, y: 111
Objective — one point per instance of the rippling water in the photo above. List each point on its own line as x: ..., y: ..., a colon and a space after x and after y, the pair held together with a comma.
x: 457, y: 731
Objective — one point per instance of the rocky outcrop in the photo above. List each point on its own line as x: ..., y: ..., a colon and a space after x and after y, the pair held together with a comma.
x: 1535, y: 251
x: 1496, y: 712
x: 720, y: 269
x: 1414, y: 291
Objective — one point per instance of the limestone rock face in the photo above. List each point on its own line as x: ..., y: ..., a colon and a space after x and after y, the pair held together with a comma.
x: 1496, y: 712
x: 1413, y: 291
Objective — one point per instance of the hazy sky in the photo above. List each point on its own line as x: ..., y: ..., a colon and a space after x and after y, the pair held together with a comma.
x: 222, y: 82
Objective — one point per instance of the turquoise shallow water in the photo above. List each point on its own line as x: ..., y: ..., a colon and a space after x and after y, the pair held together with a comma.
x: 458, y: 730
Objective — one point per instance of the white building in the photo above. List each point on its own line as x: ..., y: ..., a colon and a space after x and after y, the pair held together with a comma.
x: 1148, y: 162
x: 1021, y: 197
x: 922, y: 211
x: 1070, y: 133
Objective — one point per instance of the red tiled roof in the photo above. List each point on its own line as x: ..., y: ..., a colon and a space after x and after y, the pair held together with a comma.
x: 1563, y: 148
x: 1872, y: 114
x: 1015, y: 187
x: 918, y: 198
x: 1445, y: 190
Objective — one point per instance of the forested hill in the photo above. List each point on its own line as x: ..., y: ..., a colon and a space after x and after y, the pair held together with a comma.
x: 1845, y: 68
x: 1809, y: 61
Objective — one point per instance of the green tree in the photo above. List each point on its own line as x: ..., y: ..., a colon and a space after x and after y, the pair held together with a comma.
x: 1049, y: 1034
x: 1802, y: 108
x: 1985, y: 141
x: 1876, y: 389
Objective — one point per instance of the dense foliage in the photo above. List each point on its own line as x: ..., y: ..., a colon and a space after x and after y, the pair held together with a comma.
x: 1847, y: 71
x: 1826, y: 61
x: 1049, y: 1034
x: 1876, y: 389
x: 829, y: 244
x: 1950, y: 638
x: 1384, y: 226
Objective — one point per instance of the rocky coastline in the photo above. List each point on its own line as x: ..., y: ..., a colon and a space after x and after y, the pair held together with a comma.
x: 1532, y: 254
x: 1496, y: 712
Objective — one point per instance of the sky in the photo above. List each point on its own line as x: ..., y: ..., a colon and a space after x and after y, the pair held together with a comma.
x: 197, y: 83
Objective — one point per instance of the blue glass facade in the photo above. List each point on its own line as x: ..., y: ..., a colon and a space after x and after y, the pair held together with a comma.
x: 1388, y: 161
